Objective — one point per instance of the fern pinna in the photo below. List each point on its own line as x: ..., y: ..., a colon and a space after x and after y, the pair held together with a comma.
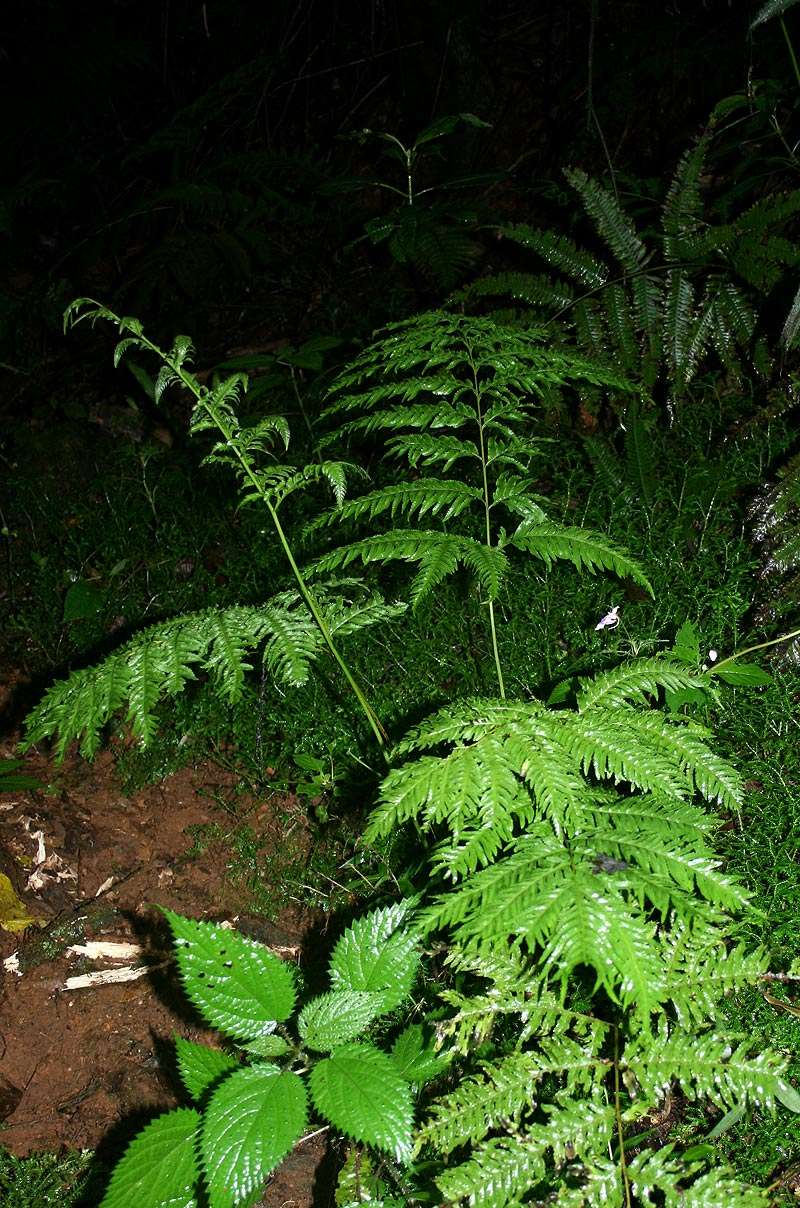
x: 458, y: 391
x: 585, y: 918
x: 160, y: 661
x: 657, y: 311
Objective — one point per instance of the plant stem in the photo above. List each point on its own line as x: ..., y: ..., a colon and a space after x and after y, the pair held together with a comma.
x: 308, y: 598
x: 487, y: 515
x: 623, y: 1164
x: 792, y: 55
x: 737, y: 654
x: 313, y: 608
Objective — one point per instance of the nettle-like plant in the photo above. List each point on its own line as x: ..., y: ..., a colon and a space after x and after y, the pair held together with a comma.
x: 252, y: 1097
x: 434, y: 236
x: 657, y: 307
x: 572, y: 882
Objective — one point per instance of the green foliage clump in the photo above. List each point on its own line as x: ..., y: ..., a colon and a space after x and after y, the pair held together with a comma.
x: 569, y: 876
x: 456, y: 391
x: 657, y: 312
x: 252, y: 1099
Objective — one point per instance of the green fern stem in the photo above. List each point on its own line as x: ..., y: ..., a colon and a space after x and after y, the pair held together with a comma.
x: 370, y: 714
x: 738, y: 654
x: 308, y: 598
x: 623, y: 1165
x: 487, y: 507
x: 792, y: 55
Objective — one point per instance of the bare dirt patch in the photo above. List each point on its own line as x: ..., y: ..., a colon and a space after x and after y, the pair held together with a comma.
x: 84, y: 1068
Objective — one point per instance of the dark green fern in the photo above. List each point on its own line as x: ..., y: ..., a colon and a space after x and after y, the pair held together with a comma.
x: 657, y: 309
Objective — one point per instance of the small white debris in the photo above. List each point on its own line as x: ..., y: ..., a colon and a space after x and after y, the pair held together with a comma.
x: 106, y: 977
x: 109, y: 881
x: 712, y: 656
x: 610, y: 620
x: 112, y: 950
x: 11, y: 964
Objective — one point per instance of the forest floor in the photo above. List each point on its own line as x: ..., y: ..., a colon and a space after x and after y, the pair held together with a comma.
x: 82, y: 1068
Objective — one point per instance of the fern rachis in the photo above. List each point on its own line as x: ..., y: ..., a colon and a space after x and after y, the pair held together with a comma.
x: 241, y: 448
x: 460, y: 393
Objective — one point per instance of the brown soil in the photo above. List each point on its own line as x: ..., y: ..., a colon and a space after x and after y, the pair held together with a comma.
x: 84, y: 1068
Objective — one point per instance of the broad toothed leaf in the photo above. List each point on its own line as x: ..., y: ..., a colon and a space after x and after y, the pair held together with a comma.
x: 159, y: 1169
x: 238, y: 985
x: 359, y: 1089
x: 252, y: 1121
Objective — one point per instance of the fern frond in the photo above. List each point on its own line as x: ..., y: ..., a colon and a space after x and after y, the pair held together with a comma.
x: 515, y: 989
x: 659, y: 1177
x: 535, y: 289
x: 620, y: 324
x: 583, y: 548
x: 346, y: 618
x: 732, y: 303
x: 792, y: 322
x: 635, y: 682
x: 613, y: 225
x: 678, y: 323
x: 639, y: 458
x: 547, y: 898
x: 682, y: 212
x: 429, y: 450
x: 772, y: 8
x: 502, y: 1170
x: 503, y: 1091
x: 699, y: 971
x: 683, y: 743
x: 290, y: 648
x: 438, y: 555
x: 443, y: 498
x: 707, y: 1066
x: 163, y: 659
x: 560, y: 252
x: 421, y: 416
x: 517, y: 494
x: 591, y: 332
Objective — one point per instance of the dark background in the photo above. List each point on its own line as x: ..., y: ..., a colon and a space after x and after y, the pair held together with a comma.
x: 180, y: 158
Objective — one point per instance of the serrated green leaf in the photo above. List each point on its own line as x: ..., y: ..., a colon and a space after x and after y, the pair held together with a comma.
x: 415, y: 1056
x: 686, y: 647
x: 375, y: 955
x: 267, y: 1046
x: 251, y: 1123
x: 360, y: 1091
x: 336, y: 1018
x: 742, y: 675
x: 159, y: 1169
x: 237, y: 984
x: 200, y: 1067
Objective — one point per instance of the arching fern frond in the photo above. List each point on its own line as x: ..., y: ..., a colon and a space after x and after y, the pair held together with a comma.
x: 560, y: 252
x: 584, y: 549
x: 613, y: 224
x: 637, y: 682
x: 457, y: 389
x: 636, y: 306
x: 437, y: 554
x: 163, y: 659
x: 534, y: 289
